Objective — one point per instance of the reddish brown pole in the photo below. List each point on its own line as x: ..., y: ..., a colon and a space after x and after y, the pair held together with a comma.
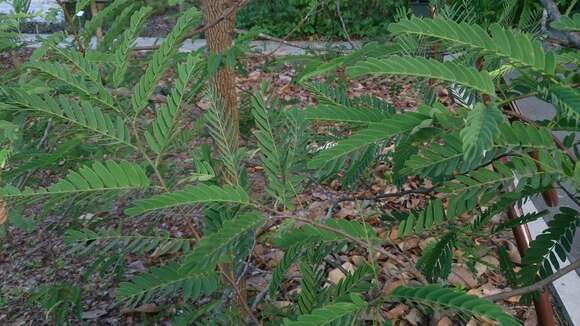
x: 544, y: 310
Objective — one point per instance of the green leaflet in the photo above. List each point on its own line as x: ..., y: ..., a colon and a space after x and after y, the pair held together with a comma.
x: 162, y: 129
x: 309, y: 296
x: 350, y: 115
x: 435, y: 262
x: 417, y: 222
x: 506, y: 266
x: 480, y: 129
x: 290, y: 256
x: 516, y: 47
x: 379, y: 131
x: 158, y: 63
x: 566, y: 100
x: 209, y: 250
x: 421, y: 67
x: 359, y: 165
x: 329, y: 314
x: 541, y: 258
x: 507, y: 199
x: 524, y: 219
x: 357, y: 281
x: 82, y: 65
x: 122, y: 48
x: 110, y: 11
x: 567, y: 23
x: 329, y: 96
x: 484, y: 179
x: 436, y: 296
x: 87, y: 89
x: 88, y: 241
x: 437, y: 160
x: 117, y: 27
x: 80, y: 113
x: 309, y: 234
x: 166, y: 281
x: 107, y: 176
x: 191, y: 195
x: 524, y: 136
x: 274, y: 158
x: 221, y: 129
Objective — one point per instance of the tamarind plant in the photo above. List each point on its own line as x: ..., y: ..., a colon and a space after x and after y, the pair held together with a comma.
x: 116, y: 144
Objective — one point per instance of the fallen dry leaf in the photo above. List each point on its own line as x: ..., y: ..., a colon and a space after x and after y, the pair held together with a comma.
x: 93, y: 314
x: 317, y: 209
x: 513, y: 252
x: 445, y: 321
x: 346, y: 209
x: 461, y: 276
x: 390, y: 286
x: 485, y: 290
x: 397, y: 312
x: 425, y: 242
x: 357, y: 260
x: 491, y: 260
x: 530, y: 318
x: 148, y: 308
x: 408, y: 244
x: 282, y: 304
x: 335, y: 275
x: 415, y: 317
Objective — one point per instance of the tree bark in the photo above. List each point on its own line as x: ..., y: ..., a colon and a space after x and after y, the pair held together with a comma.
x: 219, y: 40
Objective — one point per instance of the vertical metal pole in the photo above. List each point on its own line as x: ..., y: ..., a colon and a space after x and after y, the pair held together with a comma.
x: 544, y: 310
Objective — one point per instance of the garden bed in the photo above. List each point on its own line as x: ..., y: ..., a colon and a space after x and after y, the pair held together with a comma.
x: 29, y: 260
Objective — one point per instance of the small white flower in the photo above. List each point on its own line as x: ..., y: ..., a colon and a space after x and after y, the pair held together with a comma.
x: 80, y: 13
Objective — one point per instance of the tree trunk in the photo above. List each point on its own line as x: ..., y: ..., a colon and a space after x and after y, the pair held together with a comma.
x: 219, y: 40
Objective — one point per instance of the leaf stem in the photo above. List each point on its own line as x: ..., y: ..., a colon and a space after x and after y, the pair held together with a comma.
x: 536, y: 286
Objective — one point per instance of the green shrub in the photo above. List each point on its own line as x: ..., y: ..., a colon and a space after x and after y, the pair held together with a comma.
x: 362, y: 18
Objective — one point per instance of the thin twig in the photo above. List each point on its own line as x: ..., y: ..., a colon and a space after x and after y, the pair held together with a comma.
x: 356, y: 240
x: 70, y: 20
x: 536, y: 286
x: 423, y: 191
x: 346, y: 34
x: 267, y: 37
x: 259, y: 298
x: 241, y: 298
x: 247, y: 264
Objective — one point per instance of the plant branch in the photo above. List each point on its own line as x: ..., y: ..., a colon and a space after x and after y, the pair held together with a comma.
x: 423, y: 191
x: 343, y: 25
x: 241, y: 298
x: 536, y: 286
x: 70, y: 22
